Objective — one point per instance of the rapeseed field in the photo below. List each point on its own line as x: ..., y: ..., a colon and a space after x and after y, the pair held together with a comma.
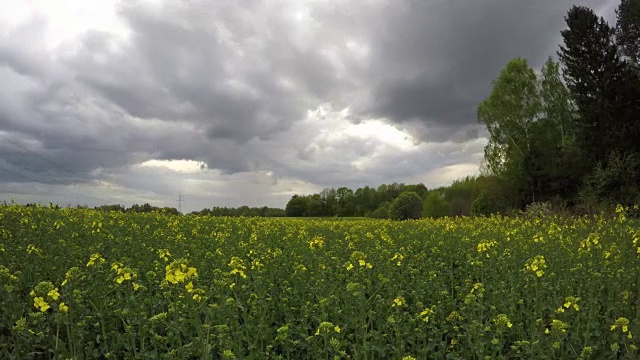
x: 77, y: 283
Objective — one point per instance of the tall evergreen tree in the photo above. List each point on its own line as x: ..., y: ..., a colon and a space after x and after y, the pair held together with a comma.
x: 594, y: 74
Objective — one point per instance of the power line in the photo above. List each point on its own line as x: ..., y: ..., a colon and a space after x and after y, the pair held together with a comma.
x: 47, y: 160
x: 29, y: 178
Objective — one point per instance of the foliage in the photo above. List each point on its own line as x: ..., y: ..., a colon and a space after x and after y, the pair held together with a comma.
x: 485, y: 204
x: 80, y: 283
x: 296, y: 207
x: 382, y: 212
x: 406, y: 206
x: 435, y: 206
x: 538, y: 209
x: 509, y: 113
x: 611, y: 184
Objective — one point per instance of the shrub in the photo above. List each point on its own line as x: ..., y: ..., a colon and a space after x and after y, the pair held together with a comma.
x: 538, y: 209
x: 486, y: 204
x: 617, y: 182
x: 406, y: 206
x: 382, y: 212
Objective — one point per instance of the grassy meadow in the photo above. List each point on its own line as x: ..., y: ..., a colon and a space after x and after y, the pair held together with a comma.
x: 77, y: 283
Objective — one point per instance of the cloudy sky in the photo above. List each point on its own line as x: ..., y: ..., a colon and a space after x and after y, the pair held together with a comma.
x: 249, y: 102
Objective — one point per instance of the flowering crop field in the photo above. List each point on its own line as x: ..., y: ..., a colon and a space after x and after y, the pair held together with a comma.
x: 83, y: 284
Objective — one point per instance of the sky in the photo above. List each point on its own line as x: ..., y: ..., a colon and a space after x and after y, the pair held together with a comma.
x: 249, y: 102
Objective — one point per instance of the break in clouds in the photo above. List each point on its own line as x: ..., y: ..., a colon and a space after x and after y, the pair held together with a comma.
x: 231, y: 104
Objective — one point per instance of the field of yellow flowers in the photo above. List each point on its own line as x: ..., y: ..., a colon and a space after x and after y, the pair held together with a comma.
x: 83, y: 284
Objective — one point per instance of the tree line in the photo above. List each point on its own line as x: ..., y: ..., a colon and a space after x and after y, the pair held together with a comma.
x: 144, y: 208
x: 343, y: 202
x: 241, y: 211
x: 245, y: 211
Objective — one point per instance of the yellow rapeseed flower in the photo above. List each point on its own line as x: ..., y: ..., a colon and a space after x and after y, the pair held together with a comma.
x: 399, y: 302
x: 502, y: 320
x: 327, y: 327
x: 536, y: 265
x: 427, y: 313
x: 558, y: 326
x: 485, y: 245
x: 316, y: 243
x: 54, y: 294
x: 622, y: 323
x: 33, y: 249
x: 63, y: 307
x: 164, y: 254
x: 178, y: 272
x: 95, y: 258
x: 40, y: 304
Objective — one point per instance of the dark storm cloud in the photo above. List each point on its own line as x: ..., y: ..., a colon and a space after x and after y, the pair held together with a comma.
x: 436, y: 59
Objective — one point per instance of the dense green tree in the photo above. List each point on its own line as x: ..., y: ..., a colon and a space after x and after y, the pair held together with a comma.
x: 108, y: 208
x: 510, y: 113
x: 314, y: 206
x: 329, y: 201
x: 557, y: 108
x: 296, y: 207
x: 407, y: 205
x: 144, y: 208
x: 459, y: 196
x: 382, y: 212
x: 435, y: 206
x: 365, y: 199
x: 484, y: 205
x: 549, y: 164
x: 170, y: 211
x: 346, y: 205
x: 419, y: 189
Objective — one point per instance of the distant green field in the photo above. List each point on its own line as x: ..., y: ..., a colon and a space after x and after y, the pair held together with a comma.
x: 84, y: 284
